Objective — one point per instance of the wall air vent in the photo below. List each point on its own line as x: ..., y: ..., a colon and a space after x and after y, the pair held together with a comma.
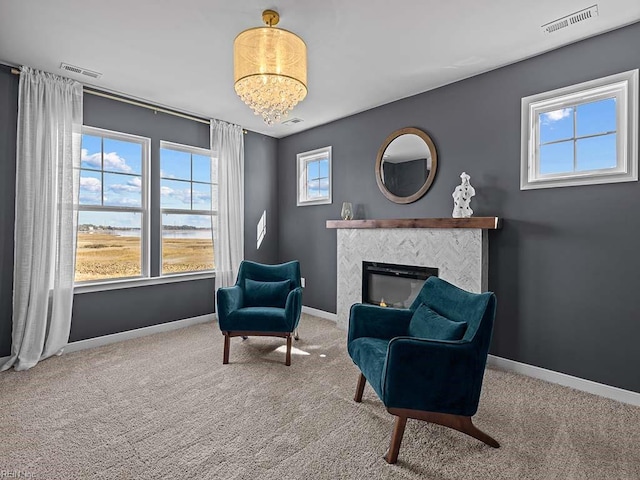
x: 80, y: 71
x: 292, y: 121
x: 569, y: 20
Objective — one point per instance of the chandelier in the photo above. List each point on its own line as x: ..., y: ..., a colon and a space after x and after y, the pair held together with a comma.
x: 270, y: 69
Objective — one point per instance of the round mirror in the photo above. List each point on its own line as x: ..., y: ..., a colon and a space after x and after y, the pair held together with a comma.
x: 406, y: 165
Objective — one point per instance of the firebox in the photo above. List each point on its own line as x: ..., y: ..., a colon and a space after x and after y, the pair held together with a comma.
x: 393, y: 285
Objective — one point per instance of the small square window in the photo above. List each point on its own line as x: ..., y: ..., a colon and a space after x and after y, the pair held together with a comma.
x: 580, y: 135
x: 314, y: 177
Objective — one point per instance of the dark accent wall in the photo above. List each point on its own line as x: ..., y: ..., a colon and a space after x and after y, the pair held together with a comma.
x: 102, y: 313
x: 565, y: 265
x: 8, y: 125
x: 260, y: 194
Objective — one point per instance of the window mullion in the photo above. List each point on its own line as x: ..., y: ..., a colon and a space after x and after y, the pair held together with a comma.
x: 575, y: 139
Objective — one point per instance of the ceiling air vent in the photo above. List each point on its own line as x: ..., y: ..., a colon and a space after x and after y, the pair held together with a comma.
x: 569, y: 20
x: 80, y: 71
x: 292, y: 121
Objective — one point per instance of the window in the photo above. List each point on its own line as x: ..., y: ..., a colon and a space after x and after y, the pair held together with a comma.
x: 314, y: 177
x: 189, y: 202
x: 583, y: 134
x: 113, y: 207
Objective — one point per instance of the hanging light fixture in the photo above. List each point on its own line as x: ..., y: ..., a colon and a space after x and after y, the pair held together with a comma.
x: 270, y: 69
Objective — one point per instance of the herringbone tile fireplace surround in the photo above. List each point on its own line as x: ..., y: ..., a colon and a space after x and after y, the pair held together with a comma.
x: 460, y: 254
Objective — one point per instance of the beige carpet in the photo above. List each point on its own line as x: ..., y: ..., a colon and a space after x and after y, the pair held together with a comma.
x: 164, y: 406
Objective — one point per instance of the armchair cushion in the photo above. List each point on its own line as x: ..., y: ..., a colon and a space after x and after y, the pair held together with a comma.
x: 369, y: 354
x: 427, y: 323
x: 259, y: 319
x: 266, y: 294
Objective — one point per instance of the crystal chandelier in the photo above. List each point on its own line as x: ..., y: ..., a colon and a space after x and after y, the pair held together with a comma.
x: 270, y: 69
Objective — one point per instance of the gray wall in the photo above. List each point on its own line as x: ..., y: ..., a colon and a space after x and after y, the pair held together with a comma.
x: 260, y: 194
x: 565, y: 265
x: 102, y: 313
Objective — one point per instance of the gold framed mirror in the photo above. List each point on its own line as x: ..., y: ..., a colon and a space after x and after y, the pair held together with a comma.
x: 406, y: 165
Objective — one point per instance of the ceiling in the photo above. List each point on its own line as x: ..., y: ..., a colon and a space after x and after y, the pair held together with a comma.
x: 362, y: 53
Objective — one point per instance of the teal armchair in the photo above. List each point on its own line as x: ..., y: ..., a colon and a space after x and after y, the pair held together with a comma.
x: 265, y: 301
x: 425, y: 362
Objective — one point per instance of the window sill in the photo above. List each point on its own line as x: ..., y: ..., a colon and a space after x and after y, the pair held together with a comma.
x: 140, y: 282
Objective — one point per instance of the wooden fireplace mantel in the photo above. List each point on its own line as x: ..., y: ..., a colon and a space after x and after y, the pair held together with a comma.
x: 485, y: 223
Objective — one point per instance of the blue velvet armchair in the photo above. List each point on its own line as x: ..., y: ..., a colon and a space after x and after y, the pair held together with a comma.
x: 265, y: 301
x: 426, y: 362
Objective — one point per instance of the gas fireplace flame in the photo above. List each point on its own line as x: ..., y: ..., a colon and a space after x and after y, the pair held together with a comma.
x: 382, y: 304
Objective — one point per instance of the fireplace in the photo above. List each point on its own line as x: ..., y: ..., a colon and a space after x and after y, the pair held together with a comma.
x: 393, y: 285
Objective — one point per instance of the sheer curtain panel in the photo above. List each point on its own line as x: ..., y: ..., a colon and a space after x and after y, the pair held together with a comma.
x: 47, y: 183
x: 227, y: 143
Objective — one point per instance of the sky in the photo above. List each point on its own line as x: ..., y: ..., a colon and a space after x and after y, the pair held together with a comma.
x: 558, y: 138
x: 119, y: 183
x: 318, y: 178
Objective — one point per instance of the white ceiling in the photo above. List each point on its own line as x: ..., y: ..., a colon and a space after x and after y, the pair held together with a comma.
x: 362, y: 53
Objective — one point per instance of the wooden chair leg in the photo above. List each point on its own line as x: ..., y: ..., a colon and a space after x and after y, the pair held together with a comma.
x: 360, y: 388
x: 225, y: 355
x: 467, y: 426
x: 396, y: 439
x: 288, y: 360
x: 460, y: 423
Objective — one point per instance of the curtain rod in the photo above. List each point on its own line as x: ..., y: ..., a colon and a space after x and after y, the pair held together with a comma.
x: 98, y: 93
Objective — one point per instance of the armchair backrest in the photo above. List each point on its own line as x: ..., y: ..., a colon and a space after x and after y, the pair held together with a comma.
x: 269, y: 273
x: 477, y: 309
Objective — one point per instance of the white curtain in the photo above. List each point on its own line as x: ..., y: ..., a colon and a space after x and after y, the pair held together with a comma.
x: 47, y: 183
x: 227, y: 144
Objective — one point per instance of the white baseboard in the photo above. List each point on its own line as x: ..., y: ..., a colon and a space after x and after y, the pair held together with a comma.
x: 139, y: 332
x: 320, y: 313
x: 615, y: 393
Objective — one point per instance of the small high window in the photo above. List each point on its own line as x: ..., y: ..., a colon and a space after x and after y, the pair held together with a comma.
x: 583, y: 134
x: 314, y: 177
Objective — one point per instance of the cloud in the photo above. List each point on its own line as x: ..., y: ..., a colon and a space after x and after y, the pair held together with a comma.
x: 324, y: 184
x: 556, y: 115
x: 184, y: 196
x: 89, y: 198
x: 90, y: 184
x: 112, y: 161
x: 122, y: 201
x: 134, y: 186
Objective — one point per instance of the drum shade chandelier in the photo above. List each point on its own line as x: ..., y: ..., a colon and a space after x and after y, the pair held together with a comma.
x: 270, y: 69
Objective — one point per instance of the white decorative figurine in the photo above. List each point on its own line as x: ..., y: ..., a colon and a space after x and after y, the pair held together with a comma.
x: 462, y: 198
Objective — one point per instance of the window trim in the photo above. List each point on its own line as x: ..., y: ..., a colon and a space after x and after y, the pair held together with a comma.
x: 144, y: 210
x: 177, y: 211
x: 622, y: 86
x: 302, y: 159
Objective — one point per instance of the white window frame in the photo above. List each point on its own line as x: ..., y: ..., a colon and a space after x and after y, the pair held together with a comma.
x: 212, y: 213
x: 302, y: 160
x: 145, y: 221
x: 624, y: 88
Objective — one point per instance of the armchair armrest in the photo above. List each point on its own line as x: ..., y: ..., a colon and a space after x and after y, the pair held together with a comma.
x: 293, y: 307
x: 378, y: 322
x: 433, y: 375
x: 229, y: 300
